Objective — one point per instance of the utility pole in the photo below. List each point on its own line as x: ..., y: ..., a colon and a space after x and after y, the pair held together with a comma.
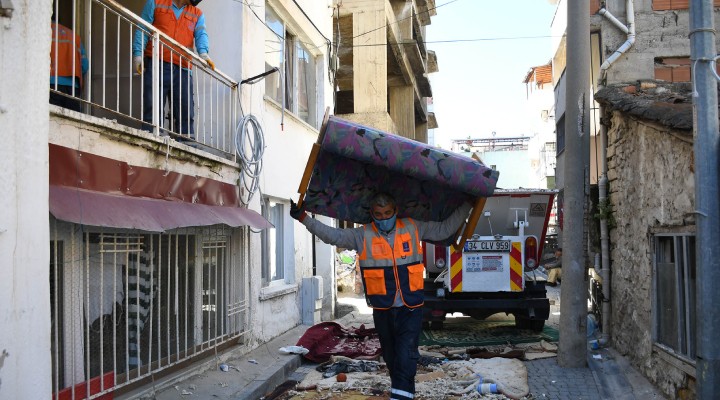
x: 705, y: 113
x: 572, y: 349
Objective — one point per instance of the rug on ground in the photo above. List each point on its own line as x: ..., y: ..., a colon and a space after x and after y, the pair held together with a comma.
x: 468, y: 332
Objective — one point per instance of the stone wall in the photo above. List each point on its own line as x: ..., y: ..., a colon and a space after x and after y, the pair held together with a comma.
x: 651, y: 190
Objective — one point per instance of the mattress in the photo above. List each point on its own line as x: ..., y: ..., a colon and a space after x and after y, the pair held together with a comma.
x: 351, y: 162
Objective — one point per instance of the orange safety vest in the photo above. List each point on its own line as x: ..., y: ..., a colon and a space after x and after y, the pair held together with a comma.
x: 61, y: 63
x: 385, y: 269
x: 181, y: 29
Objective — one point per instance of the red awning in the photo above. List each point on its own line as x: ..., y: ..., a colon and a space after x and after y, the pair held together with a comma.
x: 121, y: 211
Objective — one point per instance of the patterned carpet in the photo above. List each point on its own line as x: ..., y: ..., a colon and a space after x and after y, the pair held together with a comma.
x: 468, y: 332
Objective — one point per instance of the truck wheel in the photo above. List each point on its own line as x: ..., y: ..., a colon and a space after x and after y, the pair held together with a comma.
x: 535, y: 325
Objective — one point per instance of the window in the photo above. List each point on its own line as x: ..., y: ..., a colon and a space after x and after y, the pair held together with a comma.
x: 674, y: 294
x: 560, y: 131
x: 273, y: 243
x: 292, y: 57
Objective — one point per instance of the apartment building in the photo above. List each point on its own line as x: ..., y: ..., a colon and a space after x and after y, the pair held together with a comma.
x: 383, y: 63
x: 142, y: 235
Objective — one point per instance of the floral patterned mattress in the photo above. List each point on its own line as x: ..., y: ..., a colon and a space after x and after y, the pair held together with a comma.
x: 356, y: 161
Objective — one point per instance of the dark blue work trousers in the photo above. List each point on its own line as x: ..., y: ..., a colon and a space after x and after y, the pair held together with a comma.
x: 399, y: 330
x: 176, y: 83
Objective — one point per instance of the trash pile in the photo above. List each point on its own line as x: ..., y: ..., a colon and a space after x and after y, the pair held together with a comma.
x: 345, y: 270
x: 443, y: 373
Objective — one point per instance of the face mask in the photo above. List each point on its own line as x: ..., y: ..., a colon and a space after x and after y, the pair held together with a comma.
x: 195, y: 2
x: 385, y: 225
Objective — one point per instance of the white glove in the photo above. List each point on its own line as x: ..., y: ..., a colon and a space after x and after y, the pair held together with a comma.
x: 137, y: 63
x: 207, y: 59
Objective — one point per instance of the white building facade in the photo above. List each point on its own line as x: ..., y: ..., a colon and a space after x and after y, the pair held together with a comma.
x: 158, y: 249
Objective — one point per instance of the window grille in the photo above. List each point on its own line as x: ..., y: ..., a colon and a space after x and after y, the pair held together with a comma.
x: 127, y: 305
x: 674, y: 293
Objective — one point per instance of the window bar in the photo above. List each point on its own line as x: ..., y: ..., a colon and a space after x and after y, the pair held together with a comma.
x: 186, y: 305
x: 117, y: 66
x: 151, y: 300
x: 176, y: 294
x: 678, y: 253
x: 102, y: 327
x: 223, y: 299
x: 73, y: 258
x: 114, y: 319
x: 206, y: 294
x: 138, y: 316
x: 159, y: 300
x: 127, y: 325
x: 686, y: 293
x: 156, y: 84
x: 104, y: 55
x: 167, y: 303
x: 214, y: 252
x: 86, y: 307
x: 56, y: 338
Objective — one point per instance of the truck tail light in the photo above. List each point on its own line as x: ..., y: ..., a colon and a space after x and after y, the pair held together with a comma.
x: 531, y: 250
x: 440, y: 257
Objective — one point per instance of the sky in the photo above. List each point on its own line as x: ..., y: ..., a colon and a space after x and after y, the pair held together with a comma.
x: 479, y: 87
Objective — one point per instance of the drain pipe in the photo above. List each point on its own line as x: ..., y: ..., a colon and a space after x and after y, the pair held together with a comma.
x: 629, y: 30
x: 604, y: 238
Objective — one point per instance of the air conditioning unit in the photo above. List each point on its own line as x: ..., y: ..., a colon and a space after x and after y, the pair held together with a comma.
x: 312, y: 296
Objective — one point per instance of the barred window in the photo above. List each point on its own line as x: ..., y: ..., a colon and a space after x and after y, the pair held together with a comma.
x: 674, y: 305
x: 127, y: 305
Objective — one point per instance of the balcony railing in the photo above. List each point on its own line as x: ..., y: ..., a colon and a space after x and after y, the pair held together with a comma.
x: 198, y: 106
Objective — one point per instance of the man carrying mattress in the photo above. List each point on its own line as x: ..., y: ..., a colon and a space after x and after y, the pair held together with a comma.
x: 391, y: 266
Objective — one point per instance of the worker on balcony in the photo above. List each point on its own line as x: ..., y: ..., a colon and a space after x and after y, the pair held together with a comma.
x: 68, y: 64
x: 391, y: 265
x: 184, y: 22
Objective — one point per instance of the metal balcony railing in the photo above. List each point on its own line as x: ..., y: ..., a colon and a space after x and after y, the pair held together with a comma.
x: 193, y: 103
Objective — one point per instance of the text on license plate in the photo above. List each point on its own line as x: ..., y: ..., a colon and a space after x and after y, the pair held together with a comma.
x: 487, y: 245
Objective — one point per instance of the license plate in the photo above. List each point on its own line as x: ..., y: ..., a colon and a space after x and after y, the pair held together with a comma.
x: 487, y: 245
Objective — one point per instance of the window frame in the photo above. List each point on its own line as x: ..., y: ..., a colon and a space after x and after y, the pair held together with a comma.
x: 293, y: 43
x: 284, y: 251
x: 684, y: 261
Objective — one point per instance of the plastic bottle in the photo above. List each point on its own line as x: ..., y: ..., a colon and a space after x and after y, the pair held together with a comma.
x: 487, y: 388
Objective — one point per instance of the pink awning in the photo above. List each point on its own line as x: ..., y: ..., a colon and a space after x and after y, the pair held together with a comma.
x: 153, y: 215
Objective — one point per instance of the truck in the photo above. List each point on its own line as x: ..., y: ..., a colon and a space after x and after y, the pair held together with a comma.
x: 494, y: 270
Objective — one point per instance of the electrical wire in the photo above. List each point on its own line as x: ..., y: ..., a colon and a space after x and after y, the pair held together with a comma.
x: 250, y: 147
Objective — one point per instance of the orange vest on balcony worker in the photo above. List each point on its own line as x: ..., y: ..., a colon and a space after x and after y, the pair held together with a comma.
x: 182, y: 21
x: 68, y: 62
